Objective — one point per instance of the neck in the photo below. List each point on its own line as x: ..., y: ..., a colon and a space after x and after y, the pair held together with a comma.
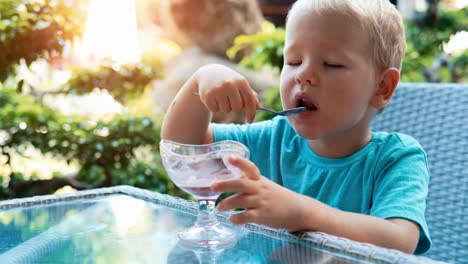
x: 339, y: 146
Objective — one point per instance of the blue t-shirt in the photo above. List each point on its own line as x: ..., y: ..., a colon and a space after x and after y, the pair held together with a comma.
x: 388, y: 178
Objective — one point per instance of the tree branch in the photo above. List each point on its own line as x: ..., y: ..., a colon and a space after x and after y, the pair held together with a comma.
x: 41, y: 187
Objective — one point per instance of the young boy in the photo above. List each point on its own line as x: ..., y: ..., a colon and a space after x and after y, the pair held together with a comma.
x: 322, y: 170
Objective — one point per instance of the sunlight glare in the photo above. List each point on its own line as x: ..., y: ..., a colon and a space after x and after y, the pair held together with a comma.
x: 457, y: 43
x: 461, y: 3
x: 127, y: 213
x: 111, y: 33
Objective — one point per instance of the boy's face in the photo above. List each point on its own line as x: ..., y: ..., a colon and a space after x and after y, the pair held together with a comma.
x: 328, y: 69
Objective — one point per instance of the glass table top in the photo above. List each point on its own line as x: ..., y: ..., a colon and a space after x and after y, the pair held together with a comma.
x: 123, y: 229
x: 117, y: 226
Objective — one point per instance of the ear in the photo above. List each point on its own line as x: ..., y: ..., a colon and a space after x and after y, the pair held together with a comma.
x: 386, y: 86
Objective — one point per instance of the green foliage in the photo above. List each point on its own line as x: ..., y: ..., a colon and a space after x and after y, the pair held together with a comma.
x: 24, y: 120
x: 266, y: 48
x: 122, y: 83
x: 32, y: 29
x: 425, y: 37
x: 106, y: 150
x: 461, y: 66
x: 120, y: 150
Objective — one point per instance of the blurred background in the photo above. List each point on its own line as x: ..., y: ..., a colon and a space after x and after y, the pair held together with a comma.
x: 84, y: 84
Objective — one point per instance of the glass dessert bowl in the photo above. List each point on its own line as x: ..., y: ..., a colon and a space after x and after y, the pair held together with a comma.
x: 194, y: 168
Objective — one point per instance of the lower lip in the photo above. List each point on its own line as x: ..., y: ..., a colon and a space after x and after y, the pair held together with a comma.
x: 306, y: 114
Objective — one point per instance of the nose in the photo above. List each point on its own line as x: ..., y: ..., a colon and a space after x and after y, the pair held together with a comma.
x: 306, y: 76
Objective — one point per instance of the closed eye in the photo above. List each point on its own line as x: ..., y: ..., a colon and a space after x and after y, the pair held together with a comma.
x: 294, y: 63
x: 333, y: 65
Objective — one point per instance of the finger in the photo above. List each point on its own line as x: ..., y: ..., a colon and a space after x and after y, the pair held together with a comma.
x: 248, y: 216
x: 241, y: 185
x: 236, y: 100
x: 257, y: 102
x: 250, y: 107
x: 237, y: 201
x: 224, y: 104
x: 212, y: 105
x: 250, y: 101
x: 249, y: 168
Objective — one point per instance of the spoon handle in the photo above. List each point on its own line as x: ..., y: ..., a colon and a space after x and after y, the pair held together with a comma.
x: 292, y: 111
x: 268, y: 110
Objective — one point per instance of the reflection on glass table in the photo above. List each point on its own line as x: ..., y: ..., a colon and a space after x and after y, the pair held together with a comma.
x: 129, y: 225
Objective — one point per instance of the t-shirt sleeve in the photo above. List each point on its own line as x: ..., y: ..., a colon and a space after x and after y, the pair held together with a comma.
x: 248, y: 134
x: 256, y: 137
x: 234, y: 132
x: 401, y: 187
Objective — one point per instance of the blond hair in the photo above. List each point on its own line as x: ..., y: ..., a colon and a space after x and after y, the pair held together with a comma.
x: 379, y: 19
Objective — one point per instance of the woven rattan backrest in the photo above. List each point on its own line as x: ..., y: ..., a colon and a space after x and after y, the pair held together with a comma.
x: 437, y: 116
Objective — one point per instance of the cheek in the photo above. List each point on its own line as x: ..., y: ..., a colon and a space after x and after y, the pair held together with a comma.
x: 286, y: 85
x: 283, y: 96
x: 287, y: 76
x: 346, y: 102
x: 287, y: 81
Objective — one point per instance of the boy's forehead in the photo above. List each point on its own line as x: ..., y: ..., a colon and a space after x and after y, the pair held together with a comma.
x: 307, y: 17
x: 303, y: 22
x: 330, y: 30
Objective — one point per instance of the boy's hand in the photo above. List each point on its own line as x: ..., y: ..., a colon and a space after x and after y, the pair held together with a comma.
x: 264, y: 201
x: 222, y: 89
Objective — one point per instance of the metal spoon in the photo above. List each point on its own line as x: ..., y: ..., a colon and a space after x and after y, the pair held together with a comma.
x: 291, y: 111
x: 287, y: 112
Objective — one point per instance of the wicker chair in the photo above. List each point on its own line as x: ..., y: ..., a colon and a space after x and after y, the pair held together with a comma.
x: 437, y: 116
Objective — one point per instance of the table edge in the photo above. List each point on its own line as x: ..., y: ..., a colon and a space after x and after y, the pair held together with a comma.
x: 334, y: 244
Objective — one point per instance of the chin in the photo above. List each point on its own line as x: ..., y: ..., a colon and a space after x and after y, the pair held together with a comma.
x: 307, y: 132
x: 309, y: 135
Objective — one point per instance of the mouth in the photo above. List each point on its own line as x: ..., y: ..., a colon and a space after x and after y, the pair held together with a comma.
x: 308, y: 104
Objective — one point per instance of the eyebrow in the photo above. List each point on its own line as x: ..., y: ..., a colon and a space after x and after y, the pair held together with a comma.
x: 290, y: 48
x: 343, y: 54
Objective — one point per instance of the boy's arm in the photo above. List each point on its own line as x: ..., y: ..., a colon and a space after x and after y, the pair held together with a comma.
x: 276, y: 206
x: 273, y: 205
x: 396, y: 233
x: 187, y: 119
